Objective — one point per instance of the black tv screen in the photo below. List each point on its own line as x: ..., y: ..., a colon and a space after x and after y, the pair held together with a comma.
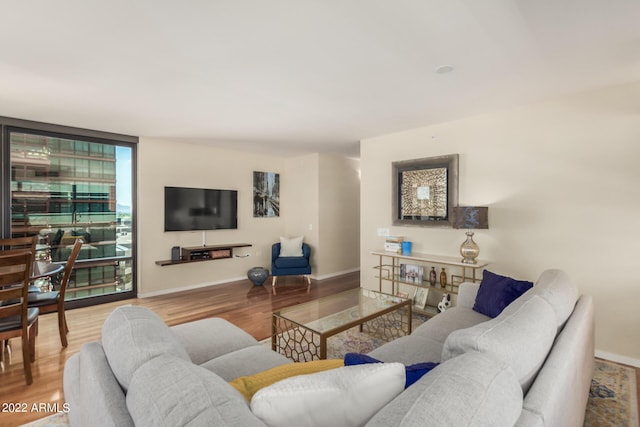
x: 187, y: 209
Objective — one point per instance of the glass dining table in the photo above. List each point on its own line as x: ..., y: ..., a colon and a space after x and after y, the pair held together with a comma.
x: 41, y: 275
x: 44, y: 269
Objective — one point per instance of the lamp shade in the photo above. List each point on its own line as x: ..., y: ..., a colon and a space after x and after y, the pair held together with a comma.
x: 476, y: 217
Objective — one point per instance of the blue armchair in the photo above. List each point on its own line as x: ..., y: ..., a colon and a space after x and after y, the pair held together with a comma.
x: 290, y: 265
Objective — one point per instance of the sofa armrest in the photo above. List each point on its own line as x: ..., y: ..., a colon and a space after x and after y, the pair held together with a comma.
x: 566, y: 374
x: 467, y: 294
x: 275, y: 252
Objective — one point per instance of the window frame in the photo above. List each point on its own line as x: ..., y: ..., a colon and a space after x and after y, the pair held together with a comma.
x: 8, y: 125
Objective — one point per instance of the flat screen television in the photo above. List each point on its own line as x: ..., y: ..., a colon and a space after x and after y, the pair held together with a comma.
x: 187, y: 209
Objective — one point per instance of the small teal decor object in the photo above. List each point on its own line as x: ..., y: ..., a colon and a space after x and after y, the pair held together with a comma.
x: 406, y: 248
x: 258, y: 275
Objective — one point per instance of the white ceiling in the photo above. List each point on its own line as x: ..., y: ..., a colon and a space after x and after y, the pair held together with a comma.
x: 295, y: 76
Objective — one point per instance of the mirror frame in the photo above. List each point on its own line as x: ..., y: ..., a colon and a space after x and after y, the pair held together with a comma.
x: 450, y: 162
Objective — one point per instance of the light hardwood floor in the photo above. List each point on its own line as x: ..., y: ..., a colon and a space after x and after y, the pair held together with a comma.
x: 242, y: 303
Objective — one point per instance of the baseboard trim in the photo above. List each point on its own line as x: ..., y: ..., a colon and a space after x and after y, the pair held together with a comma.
x: 337, y: 273
x: 222, y: 282
x: 188, y: 288
x: 618, y: 358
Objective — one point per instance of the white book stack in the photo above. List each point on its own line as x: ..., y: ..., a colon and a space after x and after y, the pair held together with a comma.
x: 393, y: 244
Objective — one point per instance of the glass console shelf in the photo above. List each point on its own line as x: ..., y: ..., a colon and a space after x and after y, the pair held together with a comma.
x: 390, y: 272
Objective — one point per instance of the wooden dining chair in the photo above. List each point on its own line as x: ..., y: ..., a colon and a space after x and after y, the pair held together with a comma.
x: 50, y: 302
x: 16, y: 318
x: 16, y: 244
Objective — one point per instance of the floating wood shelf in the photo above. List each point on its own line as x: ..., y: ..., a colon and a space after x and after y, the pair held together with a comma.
x: 204, y: 253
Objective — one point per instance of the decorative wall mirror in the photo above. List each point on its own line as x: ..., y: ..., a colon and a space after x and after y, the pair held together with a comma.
x: 425, y: 191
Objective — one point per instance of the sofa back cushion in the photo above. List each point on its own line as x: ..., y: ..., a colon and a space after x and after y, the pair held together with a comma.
x: 559, y: 291
x: 94, y: 396
x: 520, y: 336
x: 133, y: 335
x: 470, y: 390
x: 170, y: 391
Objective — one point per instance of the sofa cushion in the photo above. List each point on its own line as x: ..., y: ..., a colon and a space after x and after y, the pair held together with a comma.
x: 170, y: 391
x: 249, y: 385
x: 439, y: 327
x: 496, y: 292
x: 469, y: 390
x: 132, y: 335
x: 246, y: 361
x: 207, y: 339
x: 93, y: 393
x: 291, y: 262
x: 291, y: 247
x: 346, y: 396
x: 520, y: 336
x: 559, y: 291
x: 409, y: 350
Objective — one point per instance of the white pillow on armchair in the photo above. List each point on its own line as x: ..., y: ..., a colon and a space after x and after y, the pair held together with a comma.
x: 291, y: 246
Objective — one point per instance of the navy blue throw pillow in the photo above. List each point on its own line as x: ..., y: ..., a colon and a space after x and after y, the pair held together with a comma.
x: 496, y: 292
x: 412, y: 372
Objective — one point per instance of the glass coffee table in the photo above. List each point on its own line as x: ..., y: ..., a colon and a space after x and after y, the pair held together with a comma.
x: 300, y: 332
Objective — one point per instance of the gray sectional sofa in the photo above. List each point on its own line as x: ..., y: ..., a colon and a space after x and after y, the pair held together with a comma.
x: 530, y: 366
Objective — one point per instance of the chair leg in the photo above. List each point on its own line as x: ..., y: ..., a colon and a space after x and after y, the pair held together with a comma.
x: 33, y: 333
x: 62, y: 328
x: 26, y: 358
x: 308, y: 282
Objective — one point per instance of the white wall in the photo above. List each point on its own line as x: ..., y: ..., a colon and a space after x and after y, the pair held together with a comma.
x: 322, y: 204
x: 339, y: 207
x: 301, y: 204
x: 169, y: 163
x: 165, y: 163
x: 562, y: 183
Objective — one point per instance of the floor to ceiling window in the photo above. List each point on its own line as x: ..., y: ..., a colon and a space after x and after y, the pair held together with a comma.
x: 67, y: 184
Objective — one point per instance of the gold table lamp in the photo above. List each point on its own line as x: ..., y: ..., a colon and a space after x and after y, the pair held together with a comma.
x: 470, y: 217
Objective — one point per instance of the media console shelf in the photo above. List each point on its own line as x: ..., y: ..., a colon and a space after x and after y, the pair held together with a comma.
x: 204, y: 253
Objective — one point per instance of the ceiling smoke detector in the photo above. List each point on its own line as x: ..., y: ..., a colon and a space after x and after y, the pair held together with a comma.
x: 444, y: 69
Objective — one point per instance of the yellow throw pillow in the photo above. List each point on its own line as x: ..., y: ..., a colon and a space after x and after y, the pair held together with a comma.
x: 250, y: 384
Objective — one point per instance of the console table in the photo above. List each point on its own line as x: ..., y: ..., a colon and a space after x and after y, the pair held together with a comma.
x: 389, y: 268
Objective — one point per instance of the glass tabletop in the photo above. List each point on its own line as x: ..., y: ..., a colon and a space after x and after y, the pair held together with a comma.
x: 334, y: 311
x: 43, y: 269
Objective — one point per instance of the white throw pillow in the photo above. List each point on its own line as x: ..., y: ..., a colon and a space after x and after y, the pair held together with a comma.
x: 347, y: 396
x: 291, y: 247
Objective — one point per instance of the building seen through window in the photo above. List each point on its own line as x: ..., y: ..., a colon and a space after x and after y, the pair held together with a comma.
x: 63, y: 189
